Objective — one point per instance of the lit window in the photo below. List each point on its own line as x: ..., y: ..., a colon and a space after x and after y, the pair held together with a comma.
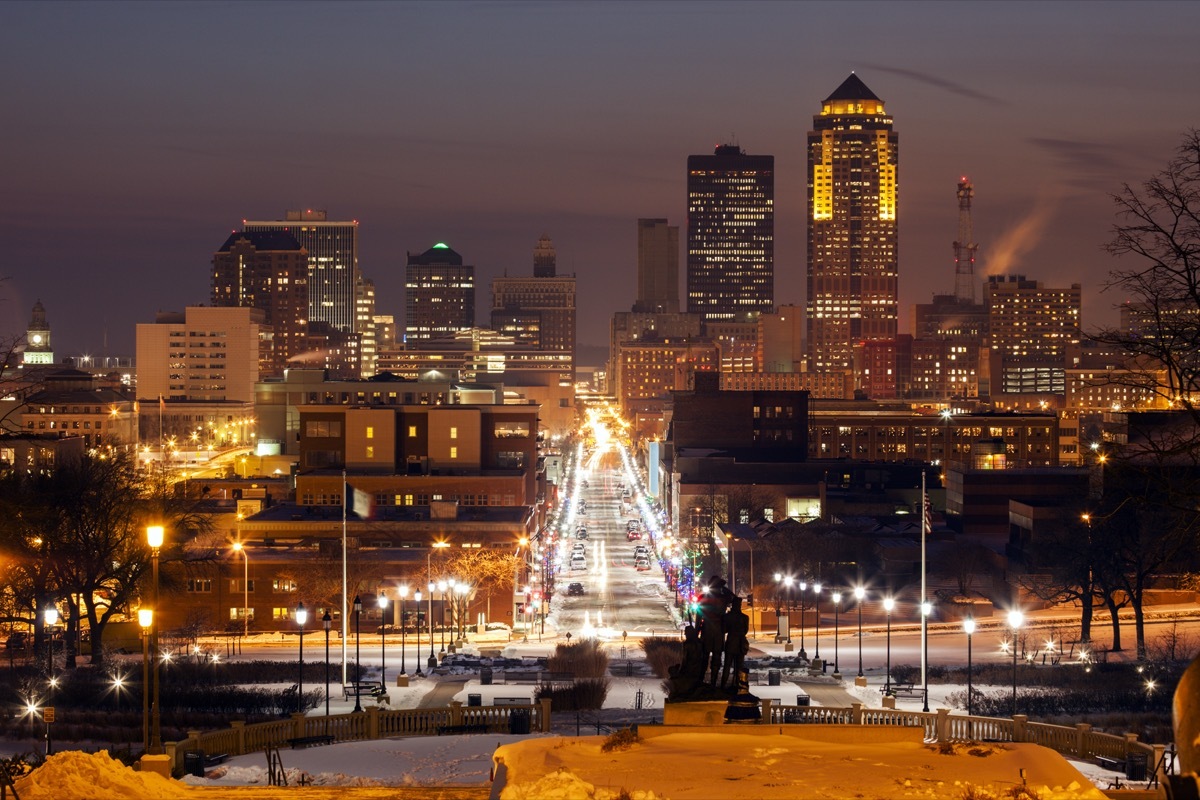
x: 370, y: 432
x: 454, y: 452
x: 412, y: 431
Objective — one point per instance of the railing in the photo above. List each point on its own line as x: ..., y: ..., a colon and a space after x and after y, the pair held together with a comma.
x: 1079, y: 741
x: 373, y: 723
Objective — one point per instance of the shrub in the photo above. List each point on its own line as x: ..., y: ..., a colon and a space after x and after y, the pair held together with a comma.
x: 619, y: 740
x: 662, y: 654
x: 584, y: 659
x: 582, y: 695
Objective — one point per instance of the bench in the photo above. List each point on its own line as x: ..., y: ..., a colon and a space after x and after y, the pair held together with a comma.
x: 511, y: 701
x: 301, y: 742
x: 360, y: 688
x: 449, y: 730
x: 1116, y: 765
x: 197, y: 761
x: 906, y: 690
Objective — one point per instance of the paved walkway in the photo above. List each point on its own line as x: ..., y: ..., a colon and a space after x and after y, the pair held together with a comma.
x: 443, y: 693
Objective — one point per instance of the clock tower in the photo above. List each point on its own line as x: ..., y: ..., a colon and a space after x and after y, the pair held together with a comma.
x: 37, y: 338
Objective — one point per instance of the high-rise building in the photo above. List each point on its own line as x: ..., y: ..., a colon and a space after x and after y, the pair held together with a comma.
x: 658, y: 267
x: 538, y: 311
x: 439, y: 295
x: 1029, y: 319
x: 204, y: 353
x: 852, y: 208
x: 267, y: 270
x: 332, y: 263
x: 364, y: 323
x: 730, y: 235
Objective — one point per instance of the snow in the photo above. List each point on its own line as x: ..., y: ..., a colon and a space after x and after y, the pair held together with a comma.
x: 96, y: 776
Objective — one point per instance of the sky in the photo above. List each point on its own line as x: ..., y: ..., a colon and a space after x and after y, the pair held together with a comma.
x: 138, y: 135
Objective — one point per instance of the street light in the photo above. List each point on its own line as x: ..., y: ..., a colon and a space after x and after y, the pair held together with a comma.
x: 146, y: 621
x: 432, y: 663
x: 442, y: 584
x: 817, y: 634
x: 50, y: 615
x: 803, y: 589
x: 383, y: 604
x: 417, y: 602
x: 969, y: 628
x: 154, y: 538
x: 357, y: 654
x: 889, y: 604
x: 327, y: 622
x: 926, y: 610
x: 1015, y: 620
x: 301, y: 618
x: 240, y: 548
x: 837, y: 607
x: 859, y: 594
x: 402, y: 590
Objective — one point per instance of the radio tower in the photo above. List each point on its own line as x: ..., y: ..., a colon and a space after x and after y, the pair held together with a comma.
x: 964, y: 248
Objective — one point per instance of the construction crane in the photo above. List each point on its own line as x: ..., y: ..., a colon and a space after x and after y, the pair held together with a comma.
x: 964, y: 248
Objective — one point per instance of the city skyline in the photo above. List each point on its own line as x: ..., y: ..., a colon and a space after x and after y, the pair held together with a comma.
x: 130, y: 167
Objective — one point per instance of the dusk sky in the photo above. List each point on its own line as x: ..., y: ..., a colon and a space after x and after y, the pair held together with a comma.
x: 136, y: 136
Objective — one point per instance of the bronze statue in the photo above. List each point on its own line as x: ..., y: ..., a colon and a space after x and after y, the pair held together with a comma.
x: 714, y: 600
x: 737, y: 628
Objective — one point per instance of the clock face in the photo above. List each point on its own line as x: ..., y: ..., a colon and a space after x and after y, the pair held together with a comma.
x: 37, y: 338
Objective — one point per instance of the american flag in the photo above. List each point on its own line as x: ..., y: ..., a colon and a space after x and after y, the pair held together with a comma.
x: 927, y: 516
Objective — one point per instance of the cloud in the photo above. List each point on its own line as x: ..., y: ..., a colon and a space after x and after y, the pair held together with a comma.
x: 940, y: 83
x: 1088, y: 164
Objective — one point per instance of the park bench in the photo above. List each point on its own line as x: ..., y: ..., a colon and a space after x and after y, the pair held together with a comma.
x: 197, y: 761
x: 300, y: 742
x: 450, y: 730
x: 521, y: 676
x: 360, y: 688
x: 906, y: 690
x: 1116, y: 765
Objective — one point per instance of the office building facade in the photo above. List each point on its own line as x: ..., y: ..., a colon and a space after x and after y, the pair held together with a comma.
x: 537, y: 311
x: 439, y: 295
x: 658, y: 267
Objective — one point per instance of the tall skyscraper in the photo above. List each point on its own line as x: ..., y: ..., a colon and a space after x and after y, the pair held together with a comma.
x: 730, y: 235
x: 332, y: 263
x: 439, y: 295
x: 538, y: 311
x: 267, y: 270
x: 658, y: 267
x: 852, y: 202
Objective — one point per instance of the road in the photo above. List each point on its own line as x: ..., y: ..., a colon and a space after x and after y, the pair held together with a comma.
x: 618, y: 597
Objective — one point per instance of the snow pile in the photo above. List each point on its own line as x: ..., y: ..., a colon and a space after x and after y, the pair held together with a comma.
x: 770, y: 766
x: 94, y: 776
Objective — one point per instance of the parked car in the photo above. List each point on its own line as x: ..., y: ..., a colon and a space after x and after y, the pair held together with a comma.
x: 578, y: 561
x: 17, y: 640
x: 575, y: 589
x: 581, y: 533
x: 641, y: 563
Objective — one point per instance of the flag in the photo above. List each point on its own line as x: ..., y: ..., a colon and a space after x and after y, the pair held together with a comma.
x: 927, y: 515
x: 362, y: 503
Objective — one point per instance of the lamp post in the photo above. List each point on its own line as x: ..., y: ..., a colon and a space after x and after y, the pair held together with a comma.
x: 969, y: 628
x: 50, y: 616
x: 154, y: 538
x: 1015, y: 620
x: 357, y: 654
x: 442, y: 584
x: 859, y: 594
x: 889, y: 604
x: 837, y: 607
x: 432, y: 658
x: 926, y: 610
x: 383, y: 604
x: 327, y: 622
x: 417, y: 602
x: 241, y: 548
x: 787, y: 585
x: 301, y: 618
x: 402, y: 591
x: 803, y: 589
x: 146, y: 621
x: 817, y: 633
x: 459, y: 609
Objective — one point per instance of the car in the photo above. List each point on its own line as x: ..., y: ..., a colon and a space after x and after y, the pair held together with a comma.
x: 584, y: 484
x: 641, y: 564
x: 633, y: 525
x: 641, y: 550
x: 581, y: 533
x: 578, y: 561
x: 578, y: 547
x: 633, y: 536
x: 575, y: 589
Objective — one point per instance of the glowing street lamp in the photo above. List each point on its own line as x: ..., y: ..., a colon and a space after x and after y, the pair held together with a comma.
x: 146, y: 622
x: 817, y: 635
x: 889, y: 604
x: 969, y: 628
x: 327, y: 622
x: 859, y: 594
x: 433, y: 662
x: 238, y: 547
x: 837, y: 606
x: 383, y: 604
x: 803, y: 589
x: 154, y: 538
x: 442, y: 586
x: 417, y: 602
x: 1015, y: 620
x: 926, y: 610
x: 50, y: 616
x: 402, y: 591
x: 301, y: 618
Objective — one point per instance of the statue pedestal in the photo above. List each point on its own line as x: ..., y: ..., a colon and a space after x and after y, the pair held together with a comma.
x: 699, y: 714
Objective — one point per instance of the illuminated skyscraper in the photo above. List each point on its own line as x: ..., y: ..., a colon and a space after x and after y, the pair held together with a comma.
x: 332, y: 264
x: 730, y: 235
x: 439, y: 295
x: 538, y: 311
x: 852, y: 189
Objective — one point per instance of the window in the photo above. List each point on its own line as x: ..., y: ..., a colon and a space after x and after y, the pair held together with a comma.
x: 236, y: 613
x: 454, y: 452
x: 281, y: 613
x: 200, y: 585
x: 370, y: 453
x: 512, y: 430
x: 283, y: 585
x: 322, y: 428
x: 370, y: 432
x: 235, y: 585
x: 453, y: 433
x: 412, y: 431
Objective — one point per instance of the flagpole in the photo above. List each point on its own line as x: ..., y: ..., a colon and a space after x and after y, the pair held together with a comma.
x: 924, y: 616
x: 345, y: 615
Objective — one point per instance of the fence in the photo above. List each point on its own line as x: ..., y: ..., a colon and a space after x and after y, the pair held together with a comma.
x: 1079, y: 741
x: 372, y: 723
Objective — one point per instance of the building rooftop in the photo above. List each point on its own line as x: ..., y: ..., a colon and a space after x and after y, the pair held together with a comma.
x: 263, y: 240
x: 852, y: 89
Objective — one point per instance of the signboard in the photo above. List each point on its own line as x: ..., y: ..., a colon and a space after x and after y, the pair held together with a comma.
x: 48, y: 713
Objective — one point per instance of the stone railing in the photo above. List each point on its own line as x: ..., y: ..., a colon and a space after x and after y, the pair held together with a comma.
x: 373, y: 723
x: 1079, y: 741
